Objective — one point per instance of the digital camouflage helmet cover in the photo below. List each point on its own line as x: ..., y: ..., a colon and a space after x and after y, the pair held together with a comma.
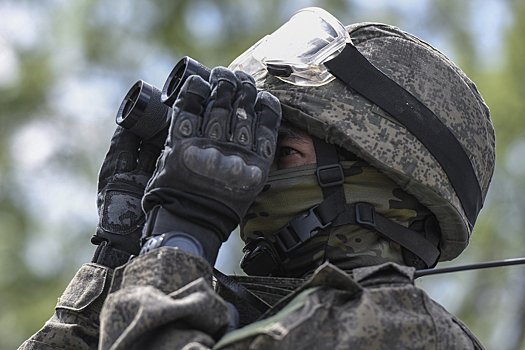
x: 340, y: 116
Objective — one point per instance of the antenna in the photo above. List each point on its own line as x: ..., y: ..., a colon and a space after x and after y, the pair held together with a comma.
x: 484, y: 265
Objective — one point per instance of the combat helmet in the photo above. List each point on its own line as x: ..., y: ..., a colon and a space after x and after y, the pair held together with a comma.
x: 422, y: 123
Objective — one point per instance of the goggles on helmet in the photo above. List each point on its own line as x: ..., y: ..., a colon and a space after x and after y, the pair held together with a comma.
x: 297, y: 50
x: 313, y: 47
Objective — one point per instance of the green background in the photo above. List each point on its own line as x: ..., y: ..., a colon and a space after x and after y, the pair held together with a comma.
x: 66, y: 65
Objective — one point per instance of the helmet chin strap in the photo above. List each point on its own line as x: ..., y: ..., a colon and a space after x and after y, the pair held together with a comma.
x: 331, y: 178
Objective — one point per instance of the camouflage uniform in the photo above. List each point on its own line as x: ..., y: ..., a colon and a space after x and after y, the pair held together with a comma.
x: 164, y: 300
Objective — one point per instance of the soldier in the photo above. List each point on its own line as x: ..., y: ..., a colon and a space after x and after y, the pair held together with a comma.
x: 379, y: 167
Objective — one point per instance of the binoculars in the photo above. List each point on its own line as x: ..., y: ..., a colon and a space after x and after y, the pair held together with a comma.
x: 146, y: 111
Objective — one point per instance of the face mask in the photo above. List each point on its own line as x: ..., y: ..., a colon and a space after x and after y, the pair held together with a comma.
x: 290, y: 193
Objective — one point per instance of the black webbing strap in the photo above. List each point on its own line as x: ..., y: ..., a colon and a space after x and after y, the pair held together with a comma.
x: 366, y: 216
x: 109, y: 255
x: 330, y: 174
x: 236, y: 288
x: 302, y: 229
x: 352, y: 68
x: 331, y: 177
x: 261, y: 258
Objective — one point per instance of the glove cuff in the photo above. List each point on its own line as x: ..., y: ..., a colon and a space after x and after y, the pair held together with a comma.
x: 191, y: 209
x: 169, y: 229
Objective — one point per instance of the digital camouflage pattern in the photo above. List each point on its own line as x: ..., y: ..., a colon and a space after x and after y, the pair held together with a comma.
x: 75, y: 324
x: 163, y: 300
x: 337, y: 115
x: 379, y: 308
x: 290, y: 193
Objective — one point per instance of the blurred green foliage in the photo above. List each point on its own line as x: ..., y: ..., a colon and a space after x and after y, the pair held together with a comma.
x: 65, y: 65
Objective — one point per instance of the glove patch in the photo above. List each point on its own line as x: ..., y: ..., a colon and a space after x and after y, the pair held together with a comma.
x: 122, y: 212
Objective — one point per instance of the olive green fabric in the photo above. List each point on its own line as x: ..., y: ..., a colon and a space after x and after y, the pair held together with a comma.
x: 163, y: 300
x: 337, y: 115
x: 289, y: 193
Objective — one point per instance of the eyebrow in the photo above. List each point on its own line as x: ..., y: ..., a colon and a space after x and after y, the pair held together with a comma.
x: 290, y: 134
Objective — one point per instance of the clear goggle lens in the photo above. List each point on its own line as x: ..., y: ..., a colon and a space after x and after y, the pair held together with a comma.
x: 296, y: 51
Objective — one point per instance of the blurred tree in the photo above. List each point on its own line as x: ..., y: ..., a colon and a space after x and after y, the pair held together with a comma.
x: 66, y: 66
x: 495, y: 302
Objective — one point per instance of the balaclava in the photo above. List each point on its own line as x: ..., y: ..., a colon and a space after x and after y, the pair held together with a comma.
x: 292, y: 192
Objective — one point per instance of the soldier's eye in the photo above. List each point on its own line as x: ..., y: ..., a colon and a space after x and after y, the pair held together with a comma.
x: 287, y: 151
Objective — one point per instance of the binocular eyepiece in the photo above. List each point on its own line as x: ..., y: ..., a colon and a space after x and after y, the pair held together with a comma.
x: 146, y: 111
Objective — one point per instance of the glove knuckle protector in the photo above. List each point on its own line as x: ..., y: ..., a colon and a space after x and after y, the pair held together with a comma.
x: 217, y: 116
x: 189, y: 106
x: 268, y: 111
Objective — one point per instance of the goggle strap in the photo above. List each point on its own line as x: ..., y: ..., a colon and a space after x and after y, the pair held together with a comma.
x: 352, y: 68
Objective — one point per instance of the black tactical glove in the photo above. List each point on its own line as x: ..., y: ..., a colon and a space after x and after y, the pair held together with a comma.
x: 216, y: 160
x: 126, y: 169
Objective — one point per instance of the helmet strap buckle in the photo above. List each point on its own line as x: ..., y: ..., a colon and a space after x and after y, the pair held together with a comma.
x: 261, y: 258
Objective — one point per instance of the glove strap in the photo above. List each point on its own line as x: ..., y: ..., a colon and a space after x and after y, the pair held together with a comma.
x: 108, y: 255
